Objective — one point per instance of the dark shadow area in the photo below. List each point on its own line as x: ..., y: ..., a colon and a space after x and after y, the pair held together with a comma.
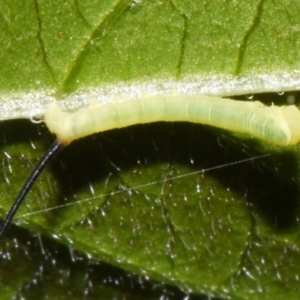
x: 270, y: 183
x: 74, y: 273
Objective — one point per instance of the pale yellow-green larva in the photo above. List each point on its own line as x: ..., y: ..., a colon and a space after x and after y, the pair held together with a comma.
x: 278, y: 125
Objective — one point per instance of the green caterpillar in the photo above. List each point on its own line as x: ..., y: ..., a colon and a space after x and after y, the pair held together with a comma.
x: 278, y: 125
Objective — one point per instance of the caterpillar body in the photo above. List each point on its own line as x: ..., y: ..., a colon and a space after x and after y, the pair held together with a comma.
x: 278, y: 125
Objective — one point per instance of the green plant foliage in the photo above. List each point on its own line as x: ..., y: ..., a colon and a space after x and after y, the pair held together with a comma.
x: 179, y: 205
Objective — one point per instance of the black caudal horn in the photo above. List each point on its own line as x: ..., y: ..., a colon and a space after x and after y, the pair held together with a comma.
x: 44, y: 161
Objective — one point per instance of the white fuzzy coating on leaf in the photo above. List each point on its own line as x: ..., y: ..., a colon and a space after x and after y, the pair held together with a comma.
x: 278, y: 125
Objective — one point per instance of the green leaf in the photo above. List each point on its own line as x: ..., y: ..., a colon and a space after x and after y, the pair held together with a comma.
x: 182, y: 204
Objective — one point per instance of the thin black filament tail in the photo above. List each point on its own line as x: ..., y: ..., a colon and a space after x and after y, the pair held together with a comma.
x: 44, y: 161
